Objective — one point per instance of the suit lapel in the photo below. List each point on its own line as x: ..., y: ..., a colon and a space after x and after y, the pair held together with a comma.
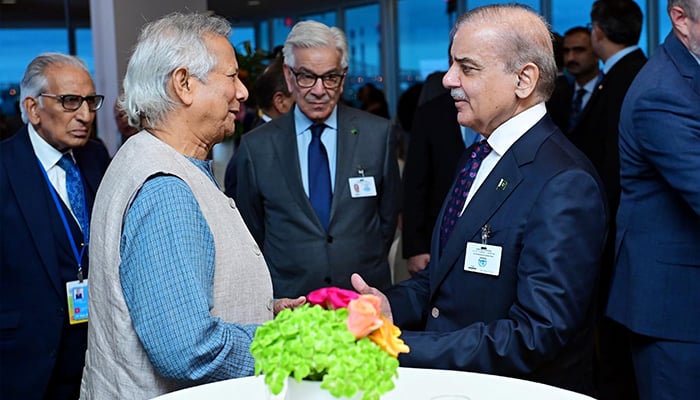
x: 488, y: 199
x: 284, y: 141
x: 34, y: 203
x: 345, y: 156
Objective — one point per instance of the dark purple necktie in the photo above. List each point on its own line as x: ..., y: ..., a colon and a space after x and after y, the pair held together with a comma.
x: 458, y: 195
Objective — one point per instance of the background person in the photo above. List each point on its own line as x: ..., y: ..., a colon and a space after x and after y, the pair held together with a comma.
x: 42, y: 242
x: 294, y: 186
x: 655, y: 284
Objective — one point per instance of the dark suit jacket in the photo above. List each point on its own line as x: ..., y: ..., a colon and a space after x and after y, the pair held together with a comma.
x: 435, y: 149
x: 301, y: 255
x: 533, y: 320
x: 559, y: 104
x: 656, y: 284
x: 36, y: 340
x: 596, y: 132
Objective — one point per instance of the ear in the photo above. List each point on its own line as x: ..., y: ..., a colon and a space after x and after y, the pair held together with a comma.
x: 528, y: 77
x: 31, y: 105
x: 679, y: 20
x: 288, y: 77
x: 181, y: 82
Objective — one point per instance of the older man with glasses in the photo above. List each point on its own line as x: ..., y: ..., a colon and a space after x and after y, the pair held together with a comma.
x: 319, y: 186
x: 49, y: 173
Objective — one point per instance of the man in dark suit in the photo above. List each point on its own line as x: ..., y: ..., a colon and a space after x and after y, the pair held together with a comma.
x: 44, y: 232
x: 656, y: 283
x: 274, y: 100
x: 616, y: 27
x: 509, y: 287
x: 319, y: 186
x: 433, y: 155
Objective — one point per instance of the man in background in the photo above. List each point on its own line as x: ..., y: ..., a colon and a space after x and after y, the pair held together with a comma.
x: 49, y: 173
x: 297, y: 173
x: 582, y: 63
x: 615, y: 29
x: 655, y: 286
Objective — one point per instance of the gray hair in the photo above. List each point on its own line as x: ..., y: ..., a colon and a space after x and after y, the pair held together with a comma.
x: 174, y: 41
x: 691, y: 7
x: 35, y: 81
x: 312, y: 34
x: 523, y: 37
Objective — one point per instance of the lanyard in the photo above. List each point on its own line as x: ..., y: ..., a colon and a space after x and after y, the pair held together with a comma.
x: 78, y: 255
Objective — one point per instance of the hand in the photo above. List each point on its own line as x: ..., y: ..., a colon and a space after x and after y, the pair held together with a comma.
x: 281, y: 304
x: 363, y: 288
x: 417, y: 263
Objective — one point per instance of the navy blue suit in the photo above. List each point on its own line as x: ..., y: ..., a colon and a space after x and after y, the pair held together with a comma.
x: 655, y: 289
x: 534, y: 320
x: 39, y: 350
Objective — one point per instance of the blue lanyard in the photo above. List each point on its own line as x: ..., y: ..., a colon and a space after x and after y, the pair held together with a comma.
x: 78, y: 255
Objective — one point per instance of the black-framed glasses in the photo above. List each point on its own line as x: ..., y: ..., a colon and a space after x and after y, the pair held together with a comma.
x: 72, y: 102
x: 307, y: 79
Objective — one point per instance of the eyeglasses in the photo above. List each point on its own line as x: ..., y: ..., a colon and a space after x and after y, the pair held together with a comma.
x: 72, y: 102
x: 307, y: 79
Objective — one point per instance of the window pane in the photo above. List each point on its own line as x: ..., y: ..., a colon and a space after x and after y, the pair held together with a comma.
x: 264, y: 37
x: 20, y: 46
x: 364, y: 41
x: 280, y: 30
x: 664, y: 21
x: 83, y: 48
x: 423, y: 39
x: 327, y: 18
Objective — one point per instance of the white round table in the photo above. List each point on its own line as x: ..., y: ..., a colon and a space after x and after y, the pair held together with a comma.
x: 412, y: 384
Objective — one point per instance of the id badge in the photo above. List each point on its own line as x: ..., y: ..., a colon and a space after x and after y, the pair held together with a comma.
x: 77, y: 293
x: 483, y: 259
x: 362, y: 186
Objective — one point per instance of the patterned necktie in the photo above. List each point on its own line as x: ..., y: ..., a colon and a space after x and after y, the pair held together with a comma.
x: 76, y: 192
x: 576, y: 107
x: 459, y: 193
x: 319, y: 176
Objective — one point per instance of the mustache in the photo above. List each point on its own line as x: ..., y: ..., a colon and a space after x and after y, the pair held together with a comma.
x: 458, y: 94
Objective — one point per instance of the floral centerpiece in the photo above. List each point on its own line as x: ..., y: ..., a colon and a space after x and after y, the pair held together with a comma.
x: 339, y: 337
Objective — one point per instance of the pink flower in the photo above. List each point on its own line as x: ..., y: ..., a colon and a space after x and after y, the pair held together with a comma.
x: 332, y: 297
x: 363, y: 315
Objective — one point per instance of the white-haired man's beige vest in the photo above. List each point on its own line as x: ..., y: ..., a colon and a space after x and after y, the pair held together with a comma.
x: 116, y: 365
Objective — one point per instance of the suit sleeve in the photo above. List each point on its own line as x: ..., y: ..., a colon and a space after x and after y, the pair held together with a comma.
x: 557, y: 253
x: 417, y: 171
x: 248, y: 197
x: 668, y: 129
x: 390, y: 194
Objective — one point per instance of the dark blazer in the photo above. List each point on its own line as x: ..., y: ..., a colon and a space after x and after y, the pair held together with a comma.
x: 533, y: 320
x: 656, y: 284
x: 301, y: 255
x: 434, y: 151
x: 559, y: 104
x: 596, y: 132
x: 36, y: 341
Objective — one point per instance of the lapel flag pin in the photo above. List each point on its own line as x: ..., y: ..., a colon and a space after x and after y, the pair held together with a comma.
x: 353, y: 131
x: 502, y: 184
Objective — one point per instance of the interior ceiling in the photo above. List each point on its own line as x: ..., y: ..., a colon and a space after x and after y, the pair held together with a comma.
x: 51, y: 13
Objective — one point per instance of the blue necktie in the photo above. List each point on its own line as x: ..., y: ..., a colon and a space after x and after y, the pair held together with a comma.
x: 76, y: 192
x: 458, y: 196
x: 319, y: 176
x: 576, y: 108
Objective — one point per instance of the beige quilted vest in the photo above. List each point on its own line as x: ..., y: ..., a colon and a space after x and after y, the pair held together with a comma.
x: 116, y: 365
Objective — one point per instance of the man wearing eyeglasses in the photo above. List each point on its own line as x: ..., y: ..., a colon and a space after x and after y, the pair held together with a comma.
x: 49, y: 173
x: 297, y: 176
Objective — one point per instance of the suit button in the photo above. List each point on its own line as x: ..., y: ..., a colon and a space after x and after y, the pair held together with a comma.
x: 329, y: 239
x: 327, y: 279
x: 435, y: 312
x: 231, y: 203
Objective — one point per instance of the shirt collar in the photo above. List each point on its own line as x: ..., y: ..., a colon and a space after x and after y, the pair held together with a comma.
x: 588, y: 86
x: 47, y: 154
x: 302, y: 122
x: 510, y: 131
x: 607, y: 66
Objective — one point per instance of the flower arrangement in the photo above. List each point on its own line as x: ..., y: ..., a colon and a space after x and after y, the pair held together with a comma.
x: 338, y: 337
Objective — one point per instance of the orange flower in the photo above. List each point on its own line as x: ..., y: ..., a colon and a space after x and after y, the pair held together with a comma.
x: 387, y: 337
x: 363, y: 315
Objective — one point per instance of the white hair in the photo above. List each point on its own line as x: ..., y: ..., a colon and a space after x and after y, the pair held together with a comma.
x: 312, y: 34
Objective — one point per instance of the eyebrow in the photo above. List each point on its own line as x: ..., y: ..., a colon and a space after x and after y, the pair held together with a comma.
x: 467, y: 60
